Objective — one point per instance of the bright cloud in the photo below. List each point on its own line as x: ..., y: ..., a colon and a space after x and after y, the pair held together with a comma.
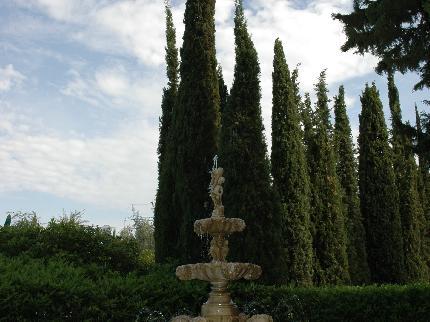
x: 9, y: 77
x: 106, y: 171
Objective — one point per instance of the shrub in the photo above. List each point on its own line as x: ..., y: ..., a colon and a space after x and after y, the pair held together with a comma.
x: 53, y: 289
x: 75, y: 242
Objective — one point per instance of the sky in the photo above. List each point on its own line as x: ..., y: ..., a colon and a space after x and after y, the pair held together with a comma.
x: 81, y: 84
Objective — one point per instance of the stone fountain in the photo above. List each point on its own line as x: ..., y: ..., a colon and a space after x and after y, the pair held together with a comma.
x: 219, y: 272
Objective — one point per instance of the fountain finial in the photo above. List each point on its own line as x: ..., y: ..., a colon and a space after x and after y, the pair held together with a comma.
x: 216, y: 190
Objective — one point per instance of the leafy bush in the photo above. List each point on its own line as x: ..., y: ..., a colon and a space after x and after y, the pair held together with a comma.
x: 53, y: 289
x: 75, y: 242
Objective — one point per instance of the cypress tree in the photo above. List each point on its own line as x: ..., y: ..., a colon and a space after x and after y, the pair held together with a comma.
x: 289, y: 173
x: 424, y: 192
x: 411, y: 211
x: 329, y: 240
x: 412, y: 218
x: 248, y: 193
x: 378, y: 194
x: 296, y: 88
x: 396, y: 130
x: 223, y: 92
x: 165, y: 225
x: 196, y: 122
x: 307, y: 118
x: 347, y: 172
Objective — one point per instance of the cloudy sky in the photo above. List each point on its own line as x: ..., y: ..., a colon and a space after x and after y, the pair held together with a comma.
x: 81, y: 83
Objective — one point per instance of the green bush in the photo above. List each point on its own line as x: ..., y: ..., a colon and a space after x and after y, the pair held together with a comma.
x: 76, y: 243
x: 53, y: 289
x: 37, y: 289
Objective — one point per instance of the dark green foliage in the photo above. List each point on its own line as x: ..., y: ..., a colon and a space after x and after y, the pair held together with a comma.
x: 196, y: 122
x: 8, y: 220
x: 290, y: 177
x: 54, y: 290
x: 412, y: 217
x: 165, y: 223
x: 379, y: 198
x: 397, y: 135
x: 423, y: 188
x: 248, y: 193
x: 329, y: 240
x: 398, y: 32
x: 223, y: 92
x: 72, y: 241
x: 411, y: 211
x: 342, y: 303
x: 347, y: 172
x: 36, y: 290
x: 307, y: 118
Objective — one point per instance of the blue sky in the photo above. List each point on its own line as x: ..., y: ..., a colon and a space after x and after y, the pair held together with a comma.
x: 81, y: 84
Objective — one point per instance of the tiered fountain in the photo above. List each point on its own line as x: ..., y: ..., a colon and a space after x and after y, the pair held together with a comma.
x: 219, y: 307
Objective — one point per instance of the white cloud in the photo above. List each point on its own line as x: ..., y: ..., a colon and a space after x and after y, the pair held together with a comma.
x: 112, y: 82
x: 10, y: 77
x: 118, y: 86
x: 113, y: 171
x: 79, y: 88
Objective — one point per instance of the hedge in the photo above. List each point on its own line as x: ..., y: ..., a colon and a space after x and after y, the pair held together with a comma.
x: 54, y: 289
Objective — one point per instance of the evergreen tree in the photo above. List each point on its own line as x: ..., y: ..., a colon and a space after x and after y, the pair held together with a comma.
x: 397, y: 139
x: 196, y: 122
x: 397, y: 32
x: 378, y: 194
x: 223, y: 92
x: 307, y: 118
x: 424, y: 192
x: 296, y: 88
x: 347, y: 173
x: 412, y: 218
x: 289, y: 173
x: 165, y: 224
x: 329, y: 240
x: 411, y: 212
x: 248, y: 193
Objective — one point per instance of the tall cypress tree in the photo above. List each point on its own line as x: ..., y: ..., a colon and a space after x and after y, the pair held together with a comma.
x: 307, y: 120
x: 411, y: 212
x: 196, y: 122
x: 424, y: 192
x: 223, y: 92
x: 329, y: 240
x: 412, y: 218
x: 165, y: 224
x: 378, y: 194
x: 289, y: 173
x: 397, y: 139
x: 347, y: 171
x: 248, y: 193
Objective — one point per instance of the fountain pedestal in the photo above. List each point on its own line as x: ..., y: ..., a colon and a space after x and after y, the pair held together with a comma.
x: 219, y: 307
x: 219, y: 303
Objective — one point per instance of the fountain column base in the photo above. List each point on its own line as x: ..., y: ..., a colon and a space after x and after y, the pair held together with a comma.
x: 219, y: 303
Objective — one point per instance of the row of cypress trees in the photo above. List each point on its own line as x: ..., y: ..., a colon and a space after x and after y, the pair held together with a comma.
x: 313, y: 216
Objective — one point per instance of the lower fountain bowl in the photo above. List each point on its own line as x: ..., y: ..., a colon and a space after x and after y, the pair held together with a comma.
x: 218, y: 271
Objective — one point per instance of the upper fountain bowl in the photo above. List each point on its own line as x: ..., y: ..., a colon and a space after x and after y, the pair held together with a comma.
x: 218, y: 225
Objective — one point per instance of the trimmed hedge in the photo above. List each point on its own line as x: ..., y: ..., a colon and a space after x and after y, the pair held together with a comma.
x: 53, y: 289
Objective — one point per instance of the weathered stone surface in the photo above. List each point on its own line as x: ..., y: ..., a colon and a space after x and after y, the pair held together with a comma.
x: 219, y: 307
